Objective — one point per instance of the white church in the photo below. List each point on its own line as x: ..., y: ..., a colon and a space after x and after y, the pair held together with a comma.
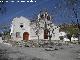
x: 41, y: 28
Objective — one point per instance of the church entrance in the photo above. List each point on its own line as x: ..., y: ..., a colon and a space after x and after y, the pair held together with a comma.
x: 26, y: 36
x: 45, y: 34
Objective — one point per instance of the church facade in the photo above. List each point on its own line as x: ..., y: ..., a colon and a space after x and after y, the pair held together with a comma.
x: 42, y: 28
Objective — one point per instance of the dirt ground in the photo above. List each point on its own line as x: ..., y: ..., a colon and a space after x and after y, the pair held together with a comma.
x: 71, y: 52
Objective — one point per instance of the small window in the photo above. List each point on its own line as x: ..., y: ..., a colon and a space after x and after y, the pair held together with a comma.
x: 48, y: 17
x: 42, y: 16
x: 18, y: 35
x: 21, y: 26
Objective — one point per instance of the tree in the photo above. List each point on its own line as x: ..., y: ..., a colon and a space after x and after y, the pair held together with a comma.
x: 43, y: 23
x: 36, y: 28
x: 70, y: 30
x: 6, y: 30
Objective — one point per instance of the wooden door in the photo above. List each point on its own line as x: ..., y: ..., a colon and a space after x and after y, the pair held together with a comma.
x: 45, y: 34
x: 26, y: 36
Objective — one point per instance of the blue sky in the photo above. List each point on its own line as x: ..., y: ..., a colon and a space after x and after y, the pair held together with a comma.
x: 61, y: 12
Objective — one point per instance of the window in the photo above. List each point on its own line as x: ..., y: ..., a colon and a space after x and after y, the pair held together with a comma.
x: 21, y: 26
x: 42, y: 16
x: 18, y: 35
x: 57, y: 26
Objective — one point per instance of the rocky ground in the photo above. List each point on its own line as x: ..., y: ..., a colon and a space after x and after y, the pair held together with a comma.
x: 71, y: 52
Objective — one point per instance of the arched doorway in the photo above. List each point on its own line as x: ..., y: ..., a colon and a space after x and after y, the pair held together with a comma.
x: 45, y: 34
x: 26, y: 36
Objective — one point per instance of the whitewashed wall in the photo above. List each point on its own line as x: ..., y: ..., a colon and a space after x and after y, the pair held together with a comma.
x: 28, y: 28
x: 16, y: 27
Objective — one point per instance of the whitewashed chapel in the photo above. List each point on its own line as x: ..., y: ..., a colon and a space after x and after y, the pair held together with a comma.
x: 25, y: 29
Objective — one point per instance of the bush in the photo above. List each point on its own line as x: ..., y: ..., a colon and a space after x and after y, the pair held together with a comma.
x: 78, y: 42
x: 26, y: 44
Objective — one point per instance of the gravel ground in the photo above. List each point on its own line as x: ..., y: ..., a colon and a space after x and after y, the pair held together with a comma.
x: 21, y: 53
x: 12, y: 53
